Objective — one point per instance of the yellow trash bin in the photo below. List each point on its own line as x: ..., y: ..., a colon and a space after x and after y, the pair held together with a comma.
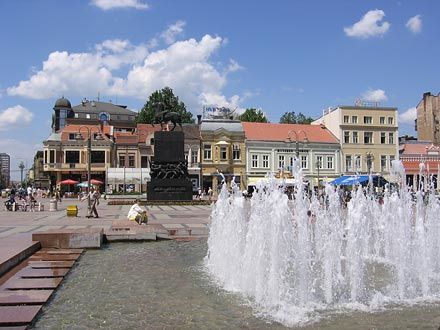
x: 72, y: 211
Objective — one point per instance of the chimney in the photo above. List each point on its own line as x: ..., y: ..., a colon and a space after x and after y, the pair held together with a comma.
x: 199, y: 119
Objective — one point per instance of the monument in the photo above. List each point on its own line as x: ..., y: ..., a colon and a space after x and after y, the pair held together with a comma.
x: 169, y: 169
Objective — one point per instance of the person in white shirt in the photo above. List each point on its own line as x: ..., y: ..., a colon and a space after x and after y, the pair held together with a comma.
x: 137, y: 213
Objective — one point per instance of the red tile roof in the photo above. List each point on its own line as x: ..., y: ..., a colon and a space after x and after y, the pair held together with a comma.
x: 280, y: 132
x: 68, y: 129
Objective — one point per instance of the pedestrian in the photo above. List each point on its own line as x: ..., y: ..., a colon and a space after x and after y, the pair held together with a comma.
x: 137, y: 213
x: 210, y: 193
x: 94, y: 201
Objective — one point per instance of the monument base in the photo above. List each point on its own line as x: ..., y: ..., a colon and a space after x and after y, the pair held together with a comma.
x: 169, y: 190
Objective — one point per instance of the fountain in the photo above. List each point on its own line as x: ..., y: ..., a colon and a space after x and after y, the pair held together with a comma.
x: 303, y: 259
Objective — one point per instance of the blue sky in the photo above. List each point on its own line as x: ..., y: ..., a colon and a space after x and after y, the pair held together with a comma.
x: 275, y: 55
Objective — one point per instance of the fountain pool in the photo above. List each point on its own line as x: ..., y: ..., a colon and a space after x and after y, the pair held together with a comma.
x: 163, y: 285
x: 300, y: 260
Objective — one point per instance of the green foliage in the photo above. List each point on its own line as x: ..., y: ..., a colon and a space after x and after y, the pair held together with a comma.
x: 171, y: 102
x: 293, y: 118
x: 253, y: 115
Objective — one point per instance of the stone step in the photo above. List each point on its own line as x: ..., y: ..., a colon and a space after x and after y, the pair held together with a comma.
x: 30, y: 272
x: 50, y: 264
x: 13, y: 251
x: 176, y: 229
x: 32, y: 283
x: 70, y: 238
x: 18, y: 315
x: 24, y: 297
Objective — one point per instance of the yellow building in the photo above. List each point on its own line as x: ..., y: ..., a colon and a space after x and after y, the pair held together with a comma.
x: 223, y: 153
x: 368, y: 136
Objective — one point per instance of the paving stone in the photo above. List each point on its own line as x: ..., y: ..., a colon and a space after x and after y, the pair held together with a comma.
x: 30, y: 272
x: 34, y: 283
x: 18, y: 315
x: 24, y: 297
x: 50, y: 264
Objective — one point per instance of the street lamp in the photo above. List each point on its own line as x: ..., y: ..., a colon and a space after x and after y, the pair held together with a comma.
x: 297, y: 134
x: 318, y: 166
x: 98, y: 137
x: 370, y: 159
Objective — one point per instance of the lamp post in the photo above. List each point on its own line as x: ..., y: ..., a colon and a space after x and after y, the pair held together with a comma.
x: 297, y: 135
x: 318, y: 166
x: 370, y: 158
x: 89, y: 159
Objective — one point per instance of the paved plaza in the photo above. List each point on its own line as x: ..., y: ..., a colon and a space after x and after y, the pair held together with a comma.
x: 25, y: 223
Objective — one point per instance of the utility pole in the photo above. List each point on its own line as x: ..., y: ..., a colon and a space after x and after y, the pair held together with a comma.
x: 21, y: 167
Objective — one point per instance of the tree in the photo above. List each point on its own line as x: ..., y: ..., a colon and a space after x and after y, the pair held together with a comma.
x: 253, y: 115
x: 292, y: 118
x: 171, y: 102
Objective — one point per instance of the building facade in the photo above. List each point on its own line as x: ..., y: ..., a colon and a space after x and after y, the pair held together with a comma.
x: 5, y: 168
x: 65, y: 153
x: 428, y: 118
x: 271, y: 148
x: 421, y: 161
x: 223, y: 153
x: 368, y: 136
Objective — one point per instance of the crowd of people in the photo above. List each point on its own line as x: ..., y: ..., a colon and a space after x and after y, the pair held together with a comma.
x: 26, y: 199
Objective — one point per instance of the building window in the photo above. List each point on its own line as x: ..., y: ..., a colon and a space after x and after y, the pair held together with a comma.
x: 207, y: 152
x: 382, y: 138
x: 121, y: 160
x: 392, y: 157
x: 194, y: 156
x: 223, y: 153
x: 383, y: 163
x: 88, y: 115
x: 368, y: 137
x: 304, y: 164
x: 72, y: 157
x: 368, y: 120
x: 280, y: 161
x: 254, y: 161
x: 72, y: 137
x: 98, y: 157
x: 75, y: 115
x: 346, y: 119
x: 45, y: 157
x: 266, y: 161
x: 131, y: 161
x: 348, y: 164
x: 390, y: 121
x: 330, y: 162
x: 357, y: 163
x: 354, y: 119
x: 319, y: 162
x: 391, y: 138
x: 236, y: 152
x: 52, y: 156
x: 382, y: 120
x: 346, y: 137
x: 355, y: 137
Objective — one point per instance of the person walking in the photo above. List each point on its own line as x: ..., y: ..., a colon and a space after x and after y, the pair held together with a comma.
x: 94, y: 201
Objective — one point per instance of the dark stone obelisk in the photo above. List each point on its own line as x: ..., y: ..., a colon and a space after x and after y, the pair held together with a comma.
x: 169, y: 169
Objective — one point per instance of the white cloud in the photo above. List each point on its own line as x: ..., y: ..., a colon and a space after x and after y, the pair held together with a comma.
x: 80, y: 73
x: 376, y: 95
x: 185, y: 66
x: 370, y: 25
x: 233, y: 66
x: 115, y: 4
x: 170, y: 34
x: 414, y: 24
x: 408, y: 116
x: 14, y: 117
